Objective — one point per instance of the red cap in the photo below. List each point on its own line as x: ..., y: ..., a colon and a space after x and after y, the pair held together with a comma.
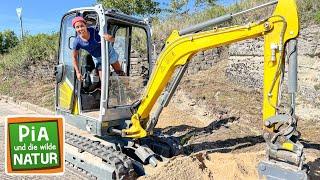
x: 77, y: 19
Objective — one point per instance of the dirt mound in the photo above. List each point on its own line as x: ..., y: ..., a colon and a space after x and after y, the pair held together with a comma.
x: 209, y: 166
x: 181, y: 168
x: 234, y: 166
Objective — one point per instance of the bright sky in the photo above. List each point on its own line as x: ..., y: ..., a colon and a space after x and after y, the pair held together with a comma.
x: 43, y: 16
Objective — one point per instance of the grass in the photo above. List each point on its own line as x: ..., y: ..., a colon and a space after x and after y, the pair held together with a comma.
x: 317, y: 17
x: 309, y: 11
x: 23, y: 89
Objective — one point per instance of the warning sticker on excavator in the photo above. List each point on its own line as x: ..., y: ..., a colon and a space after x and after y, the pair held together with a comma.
x: 34, y: 145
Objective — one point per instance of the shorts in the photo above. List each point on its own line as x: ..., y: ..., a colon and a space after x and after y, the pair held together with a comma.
x: 97, y: 62
x: 113, y: 57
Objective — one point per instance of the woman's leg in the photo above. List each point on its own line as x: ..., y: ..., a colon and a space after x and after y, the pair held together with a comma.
x: 97, y: 63
x: 100, y: 74
x: 117, y: 67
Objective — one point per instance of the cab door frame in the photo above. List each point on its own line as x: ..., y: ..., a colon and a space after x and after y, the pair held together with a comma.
x: 64, y: 71
x: 117, y: 116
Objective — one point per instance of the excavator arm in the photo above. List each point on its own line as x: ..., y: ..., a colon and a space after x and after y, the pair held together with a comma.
x: 180, y: 47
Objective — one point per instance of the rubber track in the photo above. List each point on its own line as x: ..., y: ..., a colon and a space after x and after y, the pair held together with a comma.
x: 122, y: 163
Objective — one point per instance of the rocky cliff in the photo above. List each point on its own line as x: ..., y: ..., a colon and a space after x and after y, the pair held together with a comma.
x: 246, y: 61
x: 246, y: 67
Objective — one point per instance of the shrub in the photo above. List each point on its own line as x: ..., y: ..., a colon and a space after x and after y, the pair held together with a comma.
x: 317, y: 17
x: 31, y: 49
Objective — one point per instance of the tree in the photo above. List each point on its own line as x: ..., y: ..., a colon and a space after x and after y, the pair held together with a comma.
x: 205, y: 2
x: 133, y: 7
x: 181, y: 6
x: 1, y: 43
x: 10, y: 40
x: 177, y: 5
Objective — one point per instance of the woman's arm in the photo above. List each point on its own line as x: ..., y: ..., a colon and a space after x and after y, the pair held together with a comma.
x: 76, y: 64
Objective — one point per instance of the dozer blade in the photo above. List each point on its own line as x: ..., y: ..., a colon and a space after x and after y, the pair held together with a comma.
x: 272, y: 170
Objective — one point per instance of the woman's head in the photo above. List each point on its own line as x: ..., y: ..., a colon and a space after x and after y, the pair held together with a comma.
x: 79, y: 25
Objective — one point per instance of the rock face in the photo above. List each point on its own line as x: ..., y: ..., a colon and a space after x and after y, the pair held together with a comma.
x: 246, y: 64
x: 246, y: 70
x: 247, y: 57
x: 309, y: 44
x: 138, y: 64
x: 206, y: 59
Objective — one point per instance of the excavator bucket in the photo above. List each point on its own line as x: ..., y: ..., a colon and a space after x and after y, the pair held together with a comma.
x: 275, y: 170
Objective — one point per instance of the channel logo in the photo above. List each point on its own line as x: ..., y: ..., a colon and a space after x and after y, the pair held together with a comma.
x: 34, y: 145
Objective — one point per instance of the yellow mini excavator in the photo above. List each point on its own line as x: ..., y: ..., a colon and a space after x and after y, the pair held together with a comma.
x: 116, y: 110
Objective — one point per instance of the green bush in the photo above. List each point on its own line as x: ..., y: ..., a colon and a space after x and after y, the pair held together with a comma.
x: 31, y: 49
x: 8, y: 40
x: 317, y: 17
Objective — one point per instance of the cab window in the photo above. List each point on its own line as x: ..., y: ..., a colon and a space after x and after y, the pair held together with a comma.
x: 131, y: 45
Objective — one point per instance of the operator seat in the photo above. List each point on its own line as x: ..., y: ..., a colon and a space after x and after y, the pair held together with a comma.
x: 90, y: 87
x: 91, y: 77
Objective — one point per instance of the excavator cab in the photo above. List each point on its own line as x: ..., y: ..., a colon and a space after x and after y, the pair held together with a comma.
x: 95, y: 104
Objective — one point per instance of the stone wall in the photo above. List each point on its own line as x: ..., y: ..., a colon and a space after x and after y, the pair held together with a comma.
x: 246, y: 62
x: 201, y: 61
x: 205, y: 60
x: 137, y: 63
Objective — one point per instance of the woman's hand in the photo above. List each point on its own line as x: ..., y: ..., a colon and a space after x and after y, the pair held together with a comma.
x: 79, y: 76
x: 108, y: 37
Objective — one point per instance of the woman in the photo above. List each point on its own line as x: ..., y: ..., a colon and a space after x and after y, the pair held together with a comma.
x: 88, y: 39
